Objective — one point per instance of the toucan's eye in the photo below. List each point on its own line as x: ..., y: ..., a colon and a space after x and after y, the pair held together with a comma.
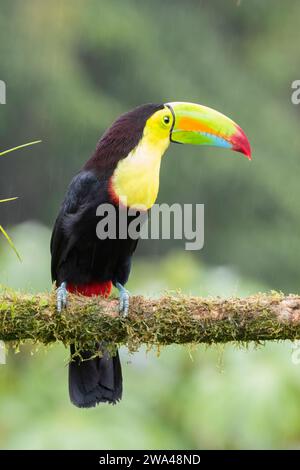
x: 166, y: 119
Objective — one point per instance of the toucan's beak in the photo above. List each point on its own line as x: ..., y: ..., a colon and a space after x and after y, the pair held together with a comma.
x: 199, y: 125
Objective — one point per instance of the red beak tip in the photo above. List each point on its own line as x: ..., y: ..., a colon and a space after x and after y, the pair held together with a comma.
x: 241, y: 144
x: 244, y: 149
x: 247, y: 151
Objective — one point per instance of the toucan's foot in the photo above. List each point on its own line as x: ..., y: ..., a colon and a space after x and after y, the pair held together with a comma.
x: 61, y: 297
x: 123, y: 299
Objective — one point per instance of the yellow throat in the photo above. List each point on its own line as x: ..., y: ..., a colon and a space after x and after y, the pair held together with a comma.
x: 136, y: 179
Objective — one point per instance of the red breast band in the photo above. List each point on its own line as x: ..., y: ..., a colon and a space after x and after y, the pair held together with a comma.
x: 89, y: 290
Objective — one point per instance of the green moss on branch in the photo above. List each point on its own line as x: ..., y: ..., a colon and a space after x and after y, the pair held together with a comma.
x: 163, y: 321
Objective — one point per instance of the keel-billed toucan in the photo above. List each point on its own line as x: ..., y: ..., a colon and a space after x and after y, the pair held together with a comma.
x: 124, y: 170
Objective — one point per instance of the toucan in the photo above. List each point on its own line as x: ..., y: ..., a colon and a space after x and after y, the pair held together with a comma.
x: 123, y: 171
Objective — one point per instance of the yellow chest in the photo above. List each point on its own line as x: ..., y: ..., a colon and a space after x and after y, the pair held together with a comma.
x: 135, y: 181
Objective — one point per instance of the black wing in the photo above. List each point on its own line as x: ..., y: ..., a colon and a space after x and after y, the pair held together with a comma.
x: 84, y: 192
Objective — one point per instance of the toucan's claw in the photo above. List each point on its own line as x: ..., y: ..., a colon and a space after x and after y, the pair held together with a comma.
x: 123, y: 299
x: 61, y: 297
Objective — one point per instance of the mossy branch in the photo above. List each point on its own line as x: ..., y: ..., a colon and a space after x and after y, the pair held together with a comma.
x: 154, y: 322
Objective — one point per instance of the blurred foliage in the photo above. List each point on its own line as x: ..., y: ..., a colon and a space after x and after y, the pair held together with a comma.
x: 70, y: 69
x: 2, y: 230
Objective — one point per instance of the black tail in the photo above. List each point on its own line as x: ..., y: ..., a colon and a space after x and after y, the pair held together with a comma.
x: 94, y: 381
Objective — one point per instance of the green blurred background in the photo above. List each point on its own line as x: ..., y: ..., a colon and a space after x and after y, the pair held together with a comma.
x: 71, y: 67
